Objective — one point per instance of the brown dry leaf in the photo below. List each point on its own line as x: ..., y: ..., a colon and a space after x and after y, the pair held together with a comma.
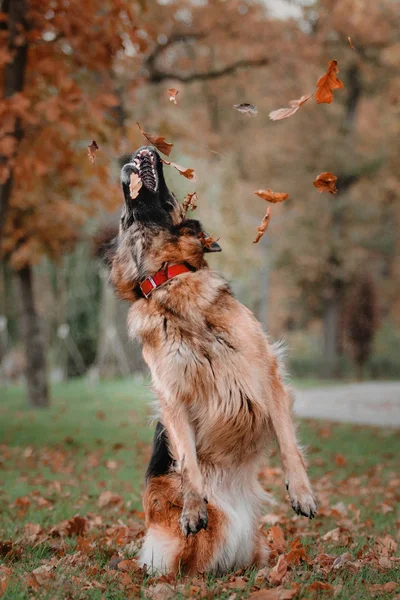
x: 127, y: 565
x: 189, y: 203
x: 5, y: 576
x: 92, y: 149
x: 262, y: 228
x: 76, y: 526
x: 134, y: 186
x: 246, y: 109
x: 188, y: 173
x: 160, y: 591
x: 279, y: 571
x: 107, y: 498
x: 297, y: 553
x: 386, y: 546
x: 319, y: 586
x: 158, y: 141
x: 207, y: 240
x: 385, y: 588
x: 271, y: 196
x: 326, y: 182
x: 172, y: 92
x: 277, y: 537
x: 351, y: 43
x: 284, y: 113
x: 327, y: 83
x: 278, y: 593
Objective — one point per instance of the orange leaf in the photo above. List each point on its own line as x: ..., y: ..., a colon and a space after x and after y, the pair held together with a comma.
x: 326, y: 182
x: 189, y: 202
x: 172, y: 95
x: 271, y: 196
x: 319, y: 586
x: 297, y: 553
x: 276, y: 533
x: 92, y: 149
x: 207, y: 240
x: 134, y: 186
x: 158, y: 141
x: 351, y: 43
x: 279, y: 571
x: 327, y: 83
x: 262, y: 228
x: 284, y: 113
x: 188, y: 173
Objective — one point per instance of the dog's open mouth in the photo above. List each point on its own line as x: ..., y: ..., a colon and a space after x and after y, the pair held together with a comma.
x: 144, y: 161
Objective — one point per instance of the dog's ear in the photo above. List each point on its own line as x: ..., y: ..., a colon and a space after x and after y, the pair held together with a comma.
x: 213, y: 247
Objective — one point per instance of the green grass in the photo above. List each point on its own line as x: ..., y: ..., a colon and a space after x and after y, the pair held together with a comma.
x: 97, y: 437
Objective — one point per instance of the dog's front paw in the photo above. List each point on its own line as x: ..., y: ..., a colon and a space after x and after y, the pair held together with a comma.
x: 194, y: 514
x: 302, y: 500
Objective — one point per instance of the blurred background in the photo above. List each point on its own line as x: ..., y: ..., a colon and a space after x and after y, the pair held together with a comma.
x: 326, y: 276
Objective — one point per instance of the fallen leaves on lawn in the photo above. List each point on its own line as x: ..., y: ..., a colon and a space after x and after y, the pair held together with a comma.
x: 297, y: 553
x: 189, y: 202
x: 107, y: 498
x: 382, y: 588
x: 279, y: 571
x: 188, y: 173
x: 271, y: 196
x: 326, y: 182
x: 172, y: 93
x: 327, y: 83
x: 5, y: 576
x: 285, y: 113
x: 158, y: 141
x: 262, y: 228
x: 134, y: 185
x: 278, y: 593
x: 246, y: 109
x: 319, y: 586
x: 92, y: 149
x: 276, y: 538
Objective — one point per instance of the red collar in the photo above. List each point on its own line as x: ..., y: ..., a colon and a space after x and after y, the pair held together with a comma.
x: 164, y: 274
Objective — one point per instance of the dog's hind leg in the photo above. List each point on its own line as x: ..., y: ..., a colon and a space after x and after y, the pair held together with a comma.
x: 280, y: 411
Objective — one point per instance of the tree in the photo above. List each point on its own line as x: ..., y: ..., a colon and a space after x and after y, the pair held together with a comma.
x: 361, y: 321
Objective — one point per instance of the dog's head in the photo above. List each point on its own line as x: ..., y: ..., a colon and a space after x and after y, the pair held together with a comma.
x: 153, y: 229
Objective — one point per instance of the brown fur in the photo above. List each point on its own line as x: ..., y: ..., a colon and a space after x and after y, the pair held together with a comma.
x: 219, y: 388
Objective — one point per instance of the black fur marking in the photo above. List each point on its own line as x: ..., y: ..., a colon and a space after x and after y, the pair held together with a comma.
x: 161, y: 459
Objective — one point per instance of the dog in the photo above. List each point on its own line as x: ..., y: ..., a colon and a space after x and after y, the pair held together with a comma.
x: 219, y: 388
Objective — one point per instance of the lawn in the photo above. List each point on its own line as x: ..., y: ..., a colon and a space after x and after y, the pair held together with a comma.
x: 70, y: 506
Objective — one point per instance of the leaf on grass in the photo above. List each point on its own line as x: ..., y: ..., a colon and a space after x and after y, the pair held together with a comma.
x: 319, y: 586
x: 5, y: 577
x: 134, y: 186
x: 276, y: 535
x: 107, y: 498
x: 158, y: 141
x: 262, y: 228
x: 76, y: 526
x: 92, y: 149
x: 188, y: 173
x: 246, y: 109
x: 326, y: 182
x: 278, y: 593
x: 297, y: 553
x: 279, y: 571
x: 172, y: 92
x: 351, y: 43
x: 327, y: 83
x: 271, y: 196
x: 190, y: 203
x: 284, y: 113
x: 385, y: 588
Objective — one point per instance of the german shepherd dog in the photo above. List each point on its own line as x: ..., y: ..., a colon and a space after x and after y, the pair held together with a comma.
x: 218, y: 383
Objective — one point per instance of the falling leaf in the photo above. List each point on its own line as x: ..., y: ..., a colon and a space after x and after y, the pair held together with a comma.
x: 262, y: 228
x: 188, y: 173
x: 246, y: 109
x: 271, y: 196
x: 172, y: 95
x: 279, y: 571
x: 284, y: 113
x: 134, y: 186
x: 351, y: 43
x: 189, y: 203
x: 92, y: 149
x: 327, y: 83
x: 158, y: 141
x: 207, y: 240
x: 326, y: 182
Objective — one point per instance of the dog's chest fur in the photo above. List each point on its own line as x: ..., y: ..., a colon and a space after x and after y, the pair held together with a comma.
x: 203, y: 349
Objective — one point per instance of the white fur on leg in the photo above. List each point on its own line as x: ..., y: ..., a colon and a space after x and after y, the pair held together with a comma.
x: 159, y: 550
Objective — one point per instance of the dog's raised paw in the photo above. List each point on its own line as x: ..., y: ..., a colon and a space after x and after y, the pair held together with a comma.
x: 194, y: 515
x: 303, y: 503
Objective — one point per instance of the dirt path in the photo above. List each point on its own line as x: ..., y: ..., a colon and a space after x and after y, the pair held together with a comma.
x: 373, y: 403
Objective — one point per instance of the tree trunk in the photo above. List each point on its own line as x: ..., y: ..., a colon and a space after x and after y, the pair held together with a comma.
x: 14, y: 74
x: 36, y: 375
